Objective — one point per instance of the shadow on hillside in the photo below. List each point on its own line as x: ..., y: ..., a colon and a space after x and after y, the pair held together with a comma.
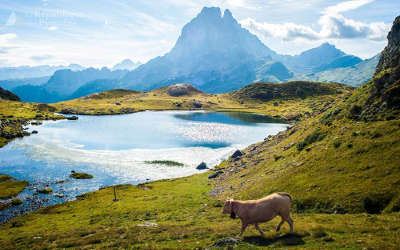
x: 286, y: 240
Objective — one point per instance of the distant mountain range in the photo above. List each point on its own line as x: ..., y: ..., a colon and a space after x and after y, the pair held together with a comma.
x: 354, y: 75
x: 22, y: 72
x: 126, y: 64
x: 214, y: 54
x: 63, y: 83
x: 324, y: 57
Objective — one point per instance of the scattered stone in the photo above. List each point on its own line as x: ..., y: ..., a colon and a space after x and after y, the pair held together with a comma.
x: 215, y: 175
x: 59, y: 195
x: 225, y: 242
x: 68, y: 111
x: 277, y: 157
x: 202, y: 166
x: 293, y: 117
x: 74, y: 117
x: 127, y: 110
x: 34, y: 132
x: 148, y: 224
x: 289, y: 146
x: 237, y: 154
x: 36, y: 123
x: 197, y: 105
x: 117, y: 103
x: 144, y: 186
x: 298, y: 164
x: 62, y: 181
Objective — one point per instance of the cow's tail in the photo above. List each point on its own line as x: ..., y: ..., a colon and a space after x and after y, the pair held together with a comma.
x: 286, y: 194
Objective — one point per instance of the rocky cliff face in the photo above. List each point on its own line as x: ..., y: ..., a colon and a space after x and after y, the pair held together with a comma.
x: 391, y: 54
x: 385, y: 87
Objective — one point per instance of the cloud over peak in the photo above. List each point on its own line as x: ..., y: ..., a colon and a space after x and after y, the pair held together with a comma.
x: 332, y: 25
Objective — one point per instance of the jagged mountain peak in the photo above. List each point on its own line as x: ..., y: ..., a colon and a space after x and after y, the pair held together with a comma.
x: 211, y: 33
x: 210, y: 12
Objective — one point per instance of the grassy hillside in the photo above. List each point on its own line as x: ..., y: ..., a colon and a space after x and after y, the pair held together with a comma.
x: 305, y: 97
x: 328, y: 163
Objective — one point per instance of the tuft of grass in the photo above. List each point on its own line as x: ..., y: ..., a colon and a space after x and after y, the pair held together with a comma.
x: 45, y: 191
x: 9, y: 187
x: 318, y: 232
x: 77, y: 175
x: 16, y: 202
x: 165, y: 162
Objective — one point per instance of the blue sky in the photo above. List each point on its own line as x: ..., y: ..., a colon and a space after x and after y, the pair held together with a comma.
x: 104, y: 32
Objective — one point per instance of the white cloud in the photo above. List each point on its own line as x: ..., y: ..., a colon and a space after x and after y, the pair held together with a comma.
x: 4, y: 38
x: 40, y: 58
x: 345, y: 6
x: 52, y: 28
x: 285, y: 31
x: 332, y: 25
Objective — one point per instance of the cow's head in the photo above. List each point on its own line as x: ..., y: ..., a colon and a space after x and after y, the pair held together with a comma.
x: 228, y: 208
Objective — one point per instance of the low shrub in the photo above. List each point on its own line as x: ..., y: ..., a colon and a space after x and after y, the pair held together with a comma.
x: 375, y: 203
x: 315, y: 136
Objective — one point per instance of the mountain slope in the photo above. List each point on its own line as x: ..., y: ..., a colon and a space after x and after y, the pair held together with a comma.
x: 340, y: 62
x: 355, y: 75
x: 297, y: 89
x: 7, y: 95
x: 323, y: 57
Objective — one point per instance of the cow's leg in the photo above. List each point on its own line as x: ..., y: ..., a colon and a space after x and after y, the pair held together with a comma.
x: 279, y: 225
x: 243, y: 228
x: 259, y: 229
x: 290, y: 221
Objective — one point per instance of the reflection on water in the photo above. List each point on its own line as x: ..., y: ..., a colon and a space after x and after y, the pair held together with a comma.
x: 114, y: 149
x: 235, y: 118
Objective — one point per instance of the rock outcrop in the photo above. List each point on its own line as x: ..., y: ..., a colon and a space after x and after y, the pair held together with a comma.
x: 384, y: 95
x: 7, y: 95
x: 182, y: 89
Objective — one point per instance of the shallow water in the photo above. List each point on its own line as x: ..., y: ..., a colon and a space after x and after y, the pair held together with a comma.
x: 115, y: 149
